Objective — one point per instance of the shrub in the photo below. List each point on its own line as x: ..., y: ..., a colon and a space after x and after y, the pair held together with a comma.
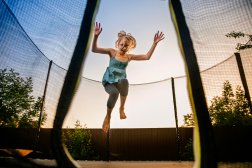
x: 79, y: 143
x: 188, y: 154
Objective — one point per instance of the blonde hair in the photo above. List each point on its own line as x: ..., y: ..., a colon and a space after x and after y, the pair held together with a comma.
x: 122, y: 34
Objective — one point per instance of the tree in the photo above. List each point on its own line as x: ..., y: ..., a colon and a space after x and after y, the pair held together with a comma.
x: 229, y: 109
x: 188, y: 120
x: 238, y: 35
x: 18, y: 108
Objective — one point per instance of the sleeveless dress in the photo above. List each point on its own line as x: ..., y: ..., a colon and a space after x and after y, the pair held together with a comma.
x: 115, y: 71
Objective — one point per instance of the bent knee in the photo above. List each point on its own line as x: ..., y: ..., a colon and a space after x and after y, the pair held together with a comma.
x: 114, y: 94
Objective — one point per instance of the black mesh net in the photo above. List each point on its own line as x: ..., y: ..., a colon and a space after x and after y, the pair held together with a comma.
x: 209, y: 24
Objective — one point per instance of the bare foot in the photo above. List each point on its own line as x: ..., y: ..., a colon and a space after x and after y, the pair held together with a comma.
x: 106, y: 124
x: 122, y: 114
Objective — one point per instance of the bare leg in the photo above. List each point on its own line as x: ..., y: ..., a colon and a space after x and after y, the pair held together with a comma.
x: 106, y: 122
x: 121, y: 110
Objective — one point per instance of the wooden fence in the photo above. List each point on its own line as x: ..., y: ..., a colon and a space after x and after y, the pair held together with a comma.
x: 232, y: 143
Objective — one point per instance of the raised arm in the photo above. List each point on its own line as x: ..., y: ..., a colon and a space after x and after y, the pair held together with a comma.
x: 157, y: 38
x: 95, y: 48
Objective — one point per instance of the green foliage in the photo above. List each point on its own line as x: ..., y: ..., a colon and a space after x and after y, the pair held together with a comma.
x: 188, y: 154
x: 188, y: 120
x: 18, y: 108
x: 235, y: 34
x: 79, y: 143
x: 238, y: 35
x: 229, y: 109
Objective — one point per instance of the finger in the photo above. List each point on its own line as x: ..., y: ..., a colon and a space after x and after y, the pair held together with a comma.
x: 161, y: 38
x: 160, y: 33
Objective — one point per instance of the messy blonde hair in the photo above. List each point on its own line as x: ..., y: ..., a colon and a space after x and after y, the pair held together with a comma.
x: 122, y: 34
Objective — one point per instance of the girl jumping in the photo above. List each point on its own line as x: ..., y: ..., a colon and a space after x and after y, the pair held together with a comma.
x: 115, y: 79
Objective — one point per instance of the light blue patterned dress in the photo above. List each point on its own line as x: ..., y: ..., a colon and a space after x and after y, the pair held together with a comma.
x: 115, y: 71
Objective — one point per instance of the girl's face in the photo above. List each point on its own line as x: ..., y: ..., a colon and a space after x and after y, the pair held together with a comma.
x: 123, y: 45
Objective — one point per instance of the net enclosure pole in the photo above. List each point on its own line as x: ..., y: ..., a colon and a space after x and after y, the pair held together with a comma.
x: 243, y: 79
x: 176, y: 117
x: 42, y: 104
x: 204, y: 146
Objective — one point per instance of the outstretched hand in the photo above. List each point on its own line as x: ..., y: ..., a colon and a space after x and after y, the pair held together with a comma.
x: 98, y: 29
x: 158, y: 37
